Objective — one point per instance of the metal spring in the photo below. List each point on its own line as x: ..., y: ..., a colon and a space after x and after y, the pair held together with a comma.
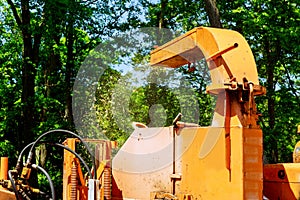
x: 107, y: 183
x: 73, y: 182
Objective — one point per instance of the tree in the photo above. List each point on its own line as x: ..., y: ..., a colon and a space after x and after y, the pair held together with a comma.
x: 213, y: 13
x: 30, y: 59
x: 10, y: 87
x: 44, y: 42
x: 42, y: 46
x: 177, y: 15
x: 272, y: 31
x: 268, y: 26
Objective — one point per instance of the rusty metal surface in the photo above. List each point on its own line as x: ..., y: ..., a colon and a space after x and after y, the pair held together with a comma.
x: 73, y: 182
x: 67, y: 170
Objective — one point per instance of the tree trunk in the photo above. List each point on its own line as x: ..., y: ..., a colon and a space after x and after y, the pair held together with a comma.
x: 272, y: 51
x: 213, y: 13
x: 161, y: 18
x: 28, y: 76
x: 69, y: 68
x: 30, y: 59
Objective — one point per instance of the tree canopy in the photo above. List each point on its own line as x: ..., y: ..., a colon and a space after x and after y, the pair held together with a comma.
x: 45, y: 42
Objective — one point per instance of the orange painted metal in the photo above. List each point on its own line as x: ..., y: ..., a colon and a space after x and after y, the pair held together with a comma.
x: 200, y: 164
x: 5, y: 194
x: 231, y: 64
x: 205, y: 174
x: 296, y: 153
x: 223, y: 161
x: 282, y: 181
x: 233, y: 73
x: 4, y: 168
x: 70, y: 185
x: 74, y: 181
x: 221, y: 48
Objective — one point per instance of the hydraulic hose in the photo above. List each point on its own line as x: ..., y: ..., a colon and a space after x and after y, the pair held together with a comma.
x: 13, y: 184
x: 54, y: 144
x: 30, y: 154
x: 77, y: 155
x: 48, y: 177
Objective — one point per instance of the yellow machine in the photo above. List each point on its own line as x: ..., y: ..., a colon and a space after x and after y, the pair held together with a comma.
x: 185, y: 161
x: 223, y: 161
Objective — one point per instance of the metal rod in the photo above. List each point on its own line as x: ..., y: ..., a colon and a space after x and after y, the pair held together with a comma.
x: 227, y: 133
x: 174, y: 169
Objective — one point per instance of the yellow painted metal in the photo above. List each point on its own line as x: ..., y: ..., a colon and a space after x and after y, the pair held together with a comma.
x: 200, y: 162
x: 204, y: 172
x: 223, y: 161
x: 282, y: 181
x: 231, y: 66
x: 296, y: 153
x: 101, y: 168
x: 227, y: 53
x: 4, y: 168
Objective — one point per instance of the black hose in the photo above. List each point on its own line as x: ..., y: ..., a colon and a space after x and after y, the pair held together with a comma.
x: 12, y: 181
x: 30, y: 154
x: 19, y: 161
x: 77, y: 155
x: 49, y: 179
x: 59, y: 145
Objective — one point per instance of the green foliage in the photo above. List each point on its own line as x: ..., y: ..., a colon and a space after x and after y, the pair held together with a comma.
x: 103, y: 105
x: 271, y: 28
x: 10, y: 86
x: 159, y: 102
x: 64, y: 32
x: 177, y: 15
x: 198, y: 76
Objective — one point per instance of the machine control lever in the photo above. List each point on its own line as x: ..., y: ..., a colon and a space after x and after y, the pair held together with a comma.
x: 177, y: 118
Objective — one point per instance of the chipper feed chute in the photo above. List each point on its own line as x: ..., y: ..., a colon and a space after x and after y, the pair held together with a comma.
x: 223, y: 161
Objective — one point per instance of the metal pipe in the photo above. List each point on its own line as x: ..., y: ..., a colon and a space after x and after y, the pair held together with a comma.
x: 174, y: 159
x: 227, y: 126
x: 177, y: 118
x: 4, y: 168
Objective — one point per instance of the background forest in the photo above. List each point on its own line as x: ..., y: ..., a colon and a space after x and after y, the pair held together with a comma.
x: 44, y: 42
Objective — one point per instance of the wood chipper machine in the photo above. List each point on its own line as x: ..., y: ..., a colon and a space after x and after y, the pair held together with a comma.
x: 221, y: 161
x: 186, y: 161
